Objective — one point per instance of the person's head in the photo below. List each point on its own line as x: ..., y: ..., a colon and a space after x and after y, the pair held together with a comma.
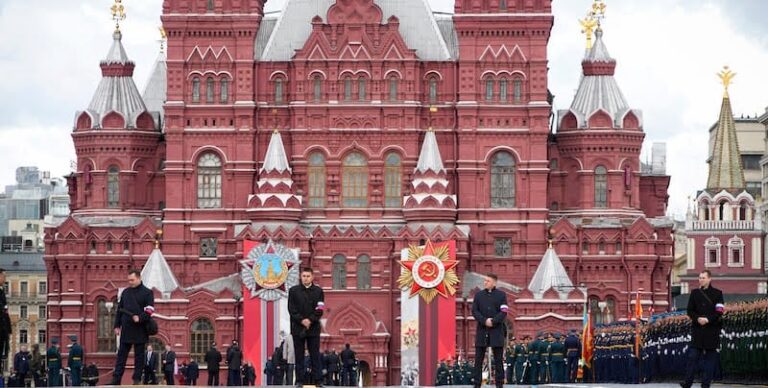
x: 346, y: 346
x: 490, y: 281
x: 23, y: 348
x: 134, y: 278
x: 705, y: 277
x: 2, y: 277
x: 36, y: 347
x: 213, y: 345
x: 167, y: 347
x: 306, y: 276
x: 149, y: 348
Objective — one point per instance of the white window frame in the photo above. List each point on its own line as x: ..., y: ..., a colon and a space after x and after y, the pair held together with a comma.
x: 735, y: 244
x: 712, y: 243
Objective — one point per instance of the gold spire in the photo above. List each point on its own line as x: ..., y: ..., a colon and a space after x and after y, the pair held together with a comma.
x: 163, y: 37
x: 118, y: 13
x: 592, y: 21
x: 726, y: 76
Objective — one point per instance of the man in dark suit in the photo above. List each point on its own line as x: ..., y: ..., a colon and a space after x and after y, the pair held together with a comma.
x: 193, y: 372
x: 134, y: 310
x: 235, y: 363
x: 305, y: 306
x: 150, y: 366
x: 490, y: 311
x: 169, y: 364
x: 705, y: 307
x: 213, y: 359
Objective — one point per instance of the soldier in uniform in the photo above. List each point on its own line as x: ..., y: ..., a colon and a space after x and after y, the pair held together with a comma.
x: 75, y: 361
x: 442, y: 375
x: 490, y: 311
x: 510, y: 360
x: 54, y: 363
x: 572, y: 354
x: 521, y: 361
x: 544, y: 350
x: 557, y: 360
x: 533, y: 358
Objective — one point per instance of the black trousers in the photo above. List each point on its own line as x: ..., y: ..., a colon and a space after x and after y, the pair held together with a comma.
x: 150, y: 376
x: 168, y: 377
x: 122, y: 358
x: 700, y: 359
x: 234, y: 378
x: 498, y: 365
x: 213, y: 378
x: 313, y: 345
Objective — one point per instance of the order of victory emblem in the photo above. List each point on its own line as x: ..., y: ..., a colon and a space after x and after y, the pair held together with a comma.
x: 269, y: 271
x: 429, y: 271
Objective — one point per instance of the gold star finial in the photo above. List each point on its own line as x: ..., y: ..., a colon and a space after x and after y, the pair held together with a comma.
x: 432, y: 109
x: 592, y: 20
x: 118, y: 13
x: 726, y: 76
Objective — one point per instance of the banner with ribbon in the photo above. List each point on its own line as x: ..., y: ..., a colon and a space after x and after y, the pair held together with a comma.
x: 428, y: 283
x: 267, y: 272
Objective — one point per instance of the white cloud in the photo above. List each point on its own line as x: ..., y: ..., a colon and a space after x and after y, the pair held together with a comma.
x: 667, y: 50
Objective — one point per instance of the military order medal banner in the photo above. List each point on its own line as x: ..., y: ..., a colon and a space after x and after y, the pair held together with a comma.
x: 428, y: 283
x: 267, y: 272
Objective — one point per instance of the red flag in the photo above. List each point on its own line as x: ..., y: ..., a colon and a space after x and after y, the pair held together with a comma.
x: 586, y: 338
x: 638, y: 322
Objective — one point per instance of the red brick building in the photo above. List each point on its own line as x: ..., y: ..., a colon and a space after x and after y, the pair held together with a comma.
x: 311, y: 128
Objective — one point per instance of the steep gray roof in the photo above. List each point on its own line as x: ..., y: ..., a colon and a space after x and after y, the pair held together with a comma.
x: 417, y: 27
x: 275, y: 159
x: 550, y: 274
x: 725, y: 169
x: 262, y: 36
x: 448, y: 31
x: 429, y: 158
x: 22, y: 262
x: 155, y: 92
x: 158, y: 274
x: 117, y: 53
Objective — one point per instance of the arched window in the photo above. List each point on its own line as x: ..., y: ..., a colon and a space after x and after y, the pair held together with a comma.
x: 318, y: 88
x: 316, y: 180
x: 503, y: 180
x: 209, y: 90
x: 610, y: 310
x: 735, y: 252
x: 224, y: 91
x: 339, y: 272
x: 712, y: 248
x: 279, y: 91
x: 601, y: 187
x: 113, y: 187
x: 517, y: 90
x: 201, y: 335
x: 364, y: 272
x: 585, y: 247
x: 361, y: 93
x: 721, y: 209
x: 433, y: 89
x: 594, y: 309
x: 348, y: 88
x: 489, y: 89
x: 355, y: 181
x: 196, y: 89
x: 705, y: 209
x: 209, y: 181
x: 502, y: 5
x: 503, y: 83
x: 393, y: 196
x: 393, y: 88
x: 210, y: 5
x: 106, y: 322
x: 601, y: 247
x: 743, y: 209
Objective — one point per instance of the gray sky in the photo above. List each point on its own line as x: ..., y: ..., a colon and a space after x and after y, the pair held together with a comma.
x: 668, y: 52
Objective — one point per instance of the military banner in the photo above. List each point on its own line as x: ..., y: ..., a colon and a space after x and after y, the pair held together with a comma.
x: 428, y: 283
x: 267, y: 272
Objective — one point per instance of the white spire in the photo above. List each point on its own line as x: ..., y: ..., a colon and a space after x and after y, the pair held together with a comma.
x: 429, y: 158
x: 550, y: 274
x: 158, y: 274
x: 276, y: 160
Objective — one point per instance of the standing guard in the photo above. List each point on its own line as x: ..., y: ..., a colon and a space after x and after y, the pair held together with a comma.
x: 75, y: 361
x: 54, y: 363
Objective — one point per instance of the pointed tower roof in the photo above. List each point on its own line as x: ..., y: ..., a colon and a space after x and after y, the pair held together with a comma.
x: 429, y: 158
x: 275, y: 160
x: 155, y: 93
x: 725, y: 169
x: 158, y: 274
x: 550, y: 274
x: 117, y: 91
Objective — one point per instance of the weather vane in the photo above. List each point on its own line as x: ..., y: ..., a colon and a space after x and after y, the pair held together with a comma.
x: 592, y: 20
x: 118, y: 13
x: 163, y: 37
x: 726, y: 76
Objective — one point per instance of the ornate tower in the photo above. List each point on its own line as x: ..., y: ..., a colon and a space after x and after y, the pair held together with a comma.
x: 725, y: 232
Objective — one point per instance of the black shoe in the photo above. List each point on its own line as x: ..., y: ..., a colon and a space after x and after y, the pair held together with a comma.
x: 685, y: 385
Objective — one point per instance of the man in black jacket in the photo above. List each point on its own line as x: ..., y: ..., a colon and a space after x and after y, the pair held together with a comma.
x: 134, y: 310
x: 705, y: 307
x: 213, y: 359
x: 490, y: 311
x: 235, y: 363
x: 347, y: 365
x: 150, y: 366
x: 169, y: 365
x: 193, y: 372
x: 305, y: 306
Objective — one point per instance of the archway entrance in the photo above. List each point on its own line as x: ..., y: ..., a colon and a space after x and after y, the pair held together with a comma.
x: 364, y: 375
